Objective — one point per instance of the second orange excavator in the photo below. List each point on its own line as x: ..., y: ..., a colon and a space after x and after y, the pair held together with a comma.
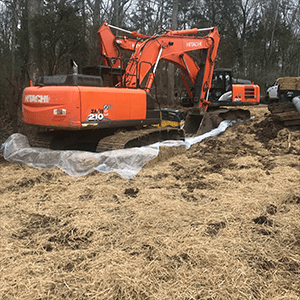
x: 110, y: 107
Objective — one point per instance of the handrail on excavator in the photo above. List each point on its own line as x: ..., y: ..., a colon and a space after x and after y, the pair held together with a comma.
x: 172, y: 32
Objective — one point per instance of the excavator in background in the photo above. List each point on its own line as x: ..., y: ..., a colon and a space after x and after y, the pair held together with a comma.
x: 110, y: 106
x: 228, y: 91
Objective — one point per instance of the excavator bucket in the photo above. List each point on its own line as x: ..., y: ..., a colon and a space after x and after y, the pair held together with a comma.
x: 197, y: 123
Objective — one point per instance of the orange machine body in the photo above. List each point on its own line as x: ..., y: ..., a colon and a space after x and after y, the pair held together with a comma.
x: 81, y: 101
x: 245, y: 94
x: 81, y: 107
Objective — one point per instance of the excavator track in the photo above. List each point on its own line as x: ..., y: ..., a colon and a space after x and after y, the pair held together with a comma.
x: 284, y: 112
x: 138, y: 138
x: 66, y: 140
x: 41, y: 139
x: 96, y: 142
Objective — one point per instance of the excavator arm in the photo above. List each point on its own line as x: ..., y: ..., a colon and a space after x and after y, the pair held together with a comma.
x: 172, y: 46
x: 111, y: 45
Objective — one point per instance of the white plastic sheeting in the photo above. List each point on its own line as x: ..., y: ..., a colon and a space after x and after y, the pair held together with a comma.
x: 125, y: 162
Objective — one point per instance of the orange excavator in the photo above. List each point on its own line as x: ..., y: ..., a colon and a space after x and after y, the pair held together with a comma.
x: 86, y: 111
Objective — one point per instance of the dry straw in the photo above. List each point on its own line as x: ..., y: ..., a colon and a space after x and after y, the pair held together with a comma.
x: 220, y: 221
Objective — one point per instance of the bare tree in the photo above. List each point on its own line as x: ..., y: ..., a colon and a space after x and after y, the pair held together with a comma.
x: 171, y: 67
x: 33, y: 9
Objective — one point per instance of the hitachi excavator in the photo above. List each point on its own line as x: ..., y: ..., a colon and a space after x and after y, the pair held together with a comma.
x: 110, y: 107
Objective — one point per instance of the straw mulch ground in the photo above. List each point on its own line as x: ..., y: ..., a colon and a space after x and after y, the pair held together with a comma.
x: 219, y: 221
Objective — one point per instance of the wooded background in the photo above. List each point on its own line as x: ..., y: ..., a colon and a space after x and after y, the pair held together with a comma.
x: 259, y: 38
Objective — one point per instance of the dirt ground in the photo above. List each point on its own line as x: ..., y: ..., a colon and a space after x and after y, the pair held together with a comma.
x: 219, y: 221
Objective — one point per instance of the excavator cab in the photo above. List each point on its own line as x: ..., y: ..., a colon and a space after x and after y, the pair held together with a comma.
x: 221, y: 83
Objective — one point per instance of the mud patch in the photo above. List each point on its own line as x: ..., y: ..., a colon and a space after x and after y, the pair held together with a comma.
x: 214, y: 228
x: 267, y: 130
x: 263, y: 220
x: 131, y: 192
x: 87, y: 195
x: 271, y: 209
x: 72, y: 238
x: 36, y: 223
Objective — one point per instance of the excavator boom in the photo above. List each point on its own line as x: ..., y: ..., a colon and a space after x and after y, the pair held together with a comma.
x: 172, y: 46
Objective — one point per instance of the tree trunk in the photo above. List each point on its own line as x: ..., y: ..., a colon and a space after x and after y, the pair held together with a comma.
x: 33, y: 8
x: 96, y: 17
x: 13, y: 97
x: 171, y: 67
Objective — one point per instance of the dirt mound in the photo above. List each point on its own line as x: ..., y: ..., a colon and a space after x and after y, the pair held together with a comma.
x: 219, y: 221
